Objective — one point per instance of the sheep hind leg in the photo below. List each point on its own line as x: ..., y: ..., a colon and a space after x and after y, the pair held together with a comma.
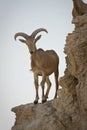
x: 42, y: 85
x: 56, y: 82
x: 48, y: 86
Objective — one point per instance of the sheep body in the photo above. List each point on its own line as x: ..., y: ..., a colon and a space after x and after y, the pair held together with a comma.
x: 43, y: 63
x: 46, y: 61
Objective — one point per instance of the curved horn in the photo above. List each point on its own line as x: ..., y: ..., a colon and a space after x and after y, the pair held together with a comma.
x: 21, y: 34
x: 37, y: 31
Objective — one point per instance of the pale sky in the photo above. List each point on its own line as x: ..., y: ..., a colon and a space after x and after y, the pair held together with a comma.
x: 16, y: 80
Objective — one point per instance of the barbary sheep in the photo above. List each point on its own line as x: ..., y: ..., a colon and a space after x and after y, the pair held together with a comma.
x: 43, y: 63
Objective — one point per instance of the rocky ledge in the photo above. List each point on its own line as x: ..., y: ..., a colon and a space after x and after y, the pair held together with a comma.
x: 69, y: 111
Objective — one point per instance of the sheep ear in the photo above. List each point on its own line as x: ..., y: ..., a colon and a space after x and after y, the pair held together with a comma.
x: 38, y: 37
x: 22, y: 40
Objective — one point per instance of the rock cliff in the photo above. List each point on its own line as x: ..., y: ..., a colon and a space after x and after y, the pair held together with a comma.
x: 69, y: 111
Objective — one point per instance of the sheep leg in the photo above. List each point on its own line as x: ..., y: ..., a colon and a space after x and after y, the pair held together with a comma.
x: 56, y: 82
x: 48, y: 87
x: 36, y: 87
x: 42, y: 85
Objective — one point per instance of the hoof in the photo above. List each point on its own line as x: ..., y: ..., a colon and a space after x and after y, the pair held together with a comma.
x: 55, y: 97
x: 43, y: 101
x: 35, y: 102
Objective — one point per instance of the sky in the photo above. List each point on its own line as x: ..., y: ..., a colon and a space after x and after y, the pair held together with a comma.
x: 16, y: 79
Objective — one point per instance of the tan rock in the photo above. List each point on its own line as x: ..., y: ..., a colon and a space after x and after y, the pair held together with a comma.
x: 69, y: 110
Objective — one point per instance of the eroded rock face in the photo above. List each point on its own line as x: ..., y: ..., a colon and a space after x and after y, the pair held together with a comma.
x: 36, y: 117
x: 80, y: 8
x: 75, y: 78
x: 69, y: 111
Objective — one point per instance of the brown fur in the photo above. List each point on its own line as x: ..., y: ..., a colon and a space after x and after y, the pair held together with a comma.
x: 43, y: 63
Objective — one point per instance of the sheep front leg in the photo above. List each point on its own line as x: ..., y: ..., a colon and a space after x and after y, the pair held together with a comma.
x: 36, y: 87
x: 56, y: 82
x: 42, y: 85
x: 48, y: 86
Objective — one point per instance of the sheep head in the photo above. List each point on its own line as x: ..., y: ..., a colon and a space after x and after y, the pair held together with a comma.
x: 31, y: 40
